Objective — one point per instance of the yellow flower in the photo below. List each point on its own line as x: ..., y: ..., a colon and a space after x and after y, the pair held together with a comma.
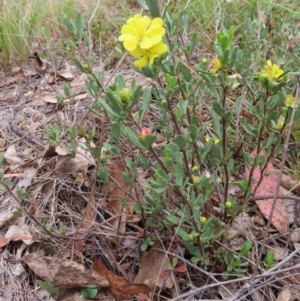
x: 141, y: 31
x: 289, y: 101
x: 147, y: 56
x: 216, y: 65
x: 270, y: 72
x: 216, y: 141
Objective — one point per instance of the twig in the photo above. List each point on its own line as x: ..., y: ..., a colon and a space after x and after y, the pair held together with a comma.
x: 208, y: 274
x: 272, y: 196
x: 247, y: 286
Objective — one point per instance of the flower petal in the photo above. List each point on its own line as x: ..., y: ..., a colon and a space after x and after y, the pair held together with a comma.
x: 138, y: 52
x: 142, y: 62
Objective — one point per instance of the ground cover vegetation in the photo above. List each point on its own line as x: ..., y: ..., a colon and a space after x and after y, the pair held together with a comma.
x: 169, y: 169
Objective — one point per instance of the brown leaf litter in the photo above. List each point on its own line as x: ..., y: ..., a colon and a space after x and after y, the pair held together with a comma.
x: 63, y: 273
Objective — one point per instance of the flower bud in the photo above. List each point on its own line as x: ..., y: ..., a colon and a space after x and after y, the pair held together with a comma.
x: 191, y: 237
x: 196, y: 179
x: 279, y: 124
x: 145, y: 132
x: 204, y: 61
x: 195, y: 169
x: 125, y: 95
x: 203, y: 220
x: 228, y: 205
x: 103, y: 158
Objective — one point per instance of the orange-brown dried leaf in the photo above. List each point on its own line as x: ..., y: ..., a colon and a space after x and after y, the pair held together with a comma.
x: 119, y: 288
x: 164, y: 273
x: 180, y: 269
x: 63, y: 273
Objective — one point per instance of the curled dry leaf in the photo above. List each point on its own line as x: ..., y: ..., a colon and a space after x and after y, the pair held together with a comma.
x: 119, y: 288
x: 11, y: 156
x: 17, y: 236
x: 63, y: 273
x: 268, y: 186
x: 67, y: 163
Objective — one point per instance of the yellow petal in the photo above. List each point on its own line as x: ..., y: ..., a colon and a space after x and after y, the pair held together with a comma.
x: 147, y: 42
x: 130, y: 44
x: 152, y: 57
x: 138, y: 52
x: 142, y: 62
x: 159, y: 48
x: 156, y: 22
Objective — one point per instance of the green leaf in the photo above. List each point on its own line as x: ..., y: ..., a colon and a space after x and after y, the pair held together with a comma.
x: 174, y: 219
x: 216, y: 125
x: 246, y: 247
x: 233, y: 56
x: 217, y: 108
x: 149, y: 140
x: 147, y: 97
x: 147, y: 71
x: 270, y: 257
x: 80, y: 24
x: 143, y: 4
x: 193, y: 131
x: 225, y: 43
x: 79, y: 66
x: 181, y: 141
x: 187, y: 75
x: 194, y: 40
x: 112, y: 148
x: 171, y: 81
x: 133, y: 138
x: 153, y: 8
x: 89, y: 292
x: 179, y: 173
x: 108, y: 108
x: 136, y: 96
x: 119, y: 80
x: 1, y: 159
x: 48, y: 288
x: 115, y: 132
x: 182, y: 233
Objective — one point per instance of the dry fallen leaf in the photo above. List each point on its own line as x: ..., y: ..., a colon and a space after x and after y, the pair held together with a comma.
x: 63, y: 273
x: 54, y: 100
x: 151, y: 266
x: 11, y: 155
x: 119, y: 288
x: 15, y: 233
x: 268, y: 187
x: 285, y: 294
x: 29, y: 174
